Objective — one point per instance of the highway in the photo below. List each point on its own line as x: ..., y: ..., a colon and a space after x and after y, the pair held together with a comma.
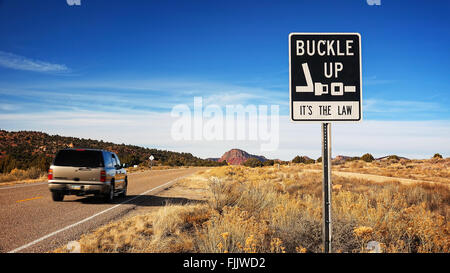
x: 30, y: 221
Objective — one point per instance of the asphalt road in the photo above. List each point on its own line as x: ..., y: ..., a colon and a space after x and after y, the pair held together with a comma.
x: 31, y: 222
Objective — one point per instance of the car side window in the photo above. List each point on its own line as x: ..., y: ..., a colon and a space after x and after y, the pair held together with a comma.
x: 114, y: 160
x: 117, y: 159
x: 109, y: 161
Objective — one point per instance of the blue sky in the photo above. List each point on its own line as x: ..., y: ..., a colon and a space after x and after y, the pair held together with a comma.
x: 147, y: 56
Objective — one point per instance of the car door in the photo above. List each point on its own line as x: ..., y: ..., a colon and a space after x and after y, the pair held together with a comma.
x: 120, y: 174
x: 109, y: 166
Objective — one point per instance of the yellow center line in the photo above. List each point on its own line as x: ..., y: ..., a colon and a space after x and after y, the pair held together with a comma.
x: 38, y: 197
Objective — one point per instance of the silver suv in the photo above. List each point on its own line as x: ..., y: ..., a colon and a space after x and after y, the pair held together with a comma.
x: 87, y: 171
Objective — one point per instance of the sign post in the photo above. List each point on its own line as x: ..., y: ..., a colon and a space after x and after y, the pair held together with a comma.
x: 151, y: 161
x: 325, y: 86
x: 326, y: 196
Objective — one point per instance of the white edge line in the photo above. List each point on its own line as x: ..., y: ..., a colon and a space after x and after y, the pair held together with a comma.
x: 90, y: 217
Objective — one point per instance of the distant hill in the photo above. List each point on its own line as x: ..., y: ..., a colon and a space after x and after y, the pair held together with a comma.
x: 391, y: 157
x: 25, y: 149
x: 342, y: 157
x: 237, y: 157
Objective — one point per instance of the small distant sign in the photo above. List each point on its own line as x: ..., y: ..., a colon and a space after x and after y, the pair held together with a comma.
x: 325, y: 76
x: 151, y: 157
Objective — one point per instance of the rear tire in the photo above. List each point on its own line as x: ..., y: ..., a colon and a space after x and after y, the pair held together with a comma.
x: 124, y: 191
x: 109, y: 197
x: 57, y: 196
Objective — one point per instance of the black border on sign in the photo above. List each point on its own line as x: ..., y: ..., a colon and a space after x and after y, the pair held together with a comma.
x: 291, y: 105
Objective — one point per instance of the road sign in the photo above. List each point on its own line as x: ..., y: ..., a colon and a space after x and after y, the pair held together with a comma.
x: 325, y: 86
x: 151, y: 161
x: 325, y: 77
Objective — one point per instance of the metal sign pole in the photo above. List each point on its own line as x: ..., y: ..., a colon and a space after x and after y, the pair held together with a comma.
x: 326, y: 163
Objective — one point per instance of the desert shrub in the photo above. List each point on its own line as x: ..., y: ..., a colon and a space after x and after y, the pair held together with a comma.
x: 393, y: 157
x: 173, y: 219
x: 398, y: 226
x: 256, y: 197
x: 303, y: 159
x: 18, y: 174
x: 235, y: 230
x: 319, y: 160
x: 222, y: 193
x: 253, y: 162
x: 344, y: 239
x: 297, y: 223
x: 437, y: 155
x: 298, y: 159
x: 367, y: 157
x: 269, y: 162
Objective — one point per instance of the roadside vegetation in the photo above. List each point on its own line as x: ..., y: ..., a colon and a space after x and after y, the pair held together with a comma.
x: 435, y: 169
x: 24, y: 150
x: 278, y: 209
x: 31, y: 174
x: 24, y: 155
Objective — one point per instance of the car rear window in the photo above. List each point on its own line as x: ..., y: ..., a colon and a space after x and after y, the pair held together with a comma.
x: 79, y: 158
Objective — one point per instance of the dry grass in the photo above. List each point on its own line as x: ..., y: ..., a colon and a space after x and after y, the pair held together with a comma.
x: 271, y: 210
x: 30, y: 175
x: 436, y: 170
x: 166, y: 230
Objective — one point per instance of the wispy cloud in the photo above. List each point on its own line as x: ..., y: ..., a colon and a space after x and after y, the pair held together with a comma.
x: 138, y: 94
x: 373, y: 80
x: 414, y: 139
x: 13, y: 61
x: 152, y: 95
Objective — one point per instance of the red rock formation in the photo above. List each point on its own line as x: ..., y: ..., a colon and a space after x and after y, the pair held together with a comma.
x: 237, y: 157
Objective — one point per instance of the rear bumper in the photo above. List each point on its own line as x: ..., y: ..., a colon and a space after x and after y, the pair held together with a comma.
x: 79, y: 187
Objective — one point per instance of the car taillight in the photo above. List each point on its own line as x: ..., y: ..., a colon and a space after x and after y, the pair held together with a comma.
x: 102, y: 176
x: 50, y: 174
